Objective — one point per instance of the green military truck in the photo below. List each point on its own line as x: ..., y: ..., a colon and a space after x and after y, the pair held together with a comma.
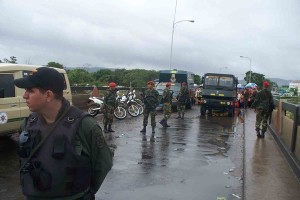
x: 219, y: 93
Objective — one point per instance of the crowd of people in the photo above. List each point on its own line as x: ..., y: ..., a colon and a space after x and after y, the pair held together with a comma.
x: 246, y: 97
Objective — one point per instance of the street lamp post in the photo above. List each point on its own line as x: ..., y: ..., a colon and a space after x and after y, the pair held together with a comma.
x: 250, y: 66
x: 173, y: 28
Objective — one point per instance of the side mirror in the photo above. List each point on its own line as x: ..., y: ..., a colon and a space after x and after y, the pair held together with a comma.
x: 1, y: 92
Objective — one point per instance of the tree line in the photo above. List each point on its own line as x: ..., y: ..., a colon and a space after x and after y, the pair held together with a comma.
x: 133, y: 77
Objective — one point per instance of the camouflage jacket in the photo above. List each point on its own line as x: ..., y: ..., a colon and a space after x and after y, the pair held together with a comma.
x: 183, y: 95
x: 167, y: 96
x: 110, y: 98
x: 263, y: 101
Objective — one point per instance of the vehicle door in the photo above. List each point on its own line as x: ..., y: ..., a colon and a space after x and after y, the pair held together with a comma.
x: 9, y: 105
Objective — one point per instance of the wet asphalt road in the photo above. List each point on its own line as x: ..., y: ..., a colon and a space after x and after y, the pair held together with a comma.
x: 196, y: 158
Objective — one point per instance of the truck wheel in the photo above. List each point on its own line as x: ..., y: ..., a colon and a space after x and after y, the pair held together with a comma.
x: 203, y: 111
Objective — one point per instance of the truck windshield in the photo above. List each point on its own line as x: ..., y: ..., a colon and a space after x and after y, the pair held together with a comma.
x: 221, y: 81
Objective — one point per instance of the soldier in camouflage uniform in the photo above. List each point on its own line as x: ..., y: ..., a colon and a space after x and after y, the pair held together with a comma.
x: 109, y: 106
x: 263, y: 105
x: 167, y: 101
x: 181, y: 100
x: 150, y: 97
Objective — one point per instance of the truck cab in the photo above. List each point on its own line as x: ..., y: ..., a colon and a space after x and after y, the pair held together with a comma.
x: 13, y: 108
x: 219, y: 93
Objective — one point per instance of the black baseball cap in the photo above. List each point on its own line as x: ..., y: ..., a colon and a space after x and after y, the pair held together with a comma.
x: 44, y: 77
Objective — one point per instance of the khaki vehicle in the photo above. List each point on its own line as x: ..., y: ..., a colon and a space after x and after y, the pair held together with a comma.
x: 13, y: 108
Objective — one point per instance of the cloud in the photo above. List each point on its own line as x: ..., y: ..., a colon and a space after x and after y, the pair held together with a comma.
x: 137, y: 34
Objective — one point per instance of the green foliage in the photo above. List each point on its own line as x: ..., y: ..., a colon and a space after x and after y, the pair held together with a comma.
x: 197, y: 79
x: 79, y: 76
x: 259, y: 79
x: 55, y: 65
x: 123, y: 77
x: 13, y: 59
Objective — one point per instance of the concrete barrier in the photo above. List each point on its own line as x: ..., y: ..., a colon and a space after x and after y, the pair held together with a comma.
x: 285, y: 128
x: 80, y: 100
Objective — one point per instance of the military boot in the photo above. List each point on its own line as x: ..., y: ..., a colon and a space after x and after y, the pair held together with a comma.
x: 105, y: 129
x: 162, y: 122
x: 152, y: 139
x: 179, y: 116
x: 109, y: 129
x: 153, y: 129
x: 262, y: 134
x: 166, y: 124
x: 143, y: 130
x: 258, y: 133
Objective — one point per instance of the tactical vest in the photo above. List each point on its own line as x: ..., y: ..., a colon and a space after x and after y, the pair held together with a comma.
x: 151, y: 100
x: 56, y: 170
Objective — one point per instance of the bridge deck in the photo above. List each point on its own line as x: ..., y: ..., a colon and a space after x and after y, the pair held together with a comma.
x: 267, y: 173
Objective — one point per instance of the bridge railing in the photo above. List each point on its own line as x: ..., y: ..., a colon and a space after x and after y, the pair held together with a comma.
x: 285, y: 128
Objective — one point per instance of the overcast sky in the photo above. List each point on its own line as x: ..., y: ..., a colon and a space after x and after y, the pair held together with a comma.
x: 137, y: 34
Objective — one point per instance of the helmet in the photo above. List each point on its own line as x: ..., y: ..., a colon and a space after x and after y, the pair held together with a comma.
x: 266, y: 84
x: 150, y: 83
x: 112, y: 84
x: 183, y: 83
x: 168, y: 84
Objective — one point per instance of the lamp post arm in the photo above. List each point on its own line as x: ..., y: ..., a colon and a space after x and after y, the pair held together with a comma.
x: 186, y: 20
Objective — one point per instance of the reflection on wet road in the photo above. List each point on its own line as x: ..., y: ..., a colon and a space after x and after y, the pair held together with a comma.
x: 195, y: 158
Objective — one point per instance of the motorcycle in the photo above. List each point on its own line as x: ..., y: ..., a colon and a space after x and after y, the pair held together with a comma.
x: 120, y: 112
x: 96, y: 107
x: 131, y: 99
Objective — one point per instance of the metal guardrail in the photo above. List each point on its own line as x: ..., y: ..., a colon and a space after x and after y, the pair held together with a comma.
x: 289, y: 152
x: 82, y: 89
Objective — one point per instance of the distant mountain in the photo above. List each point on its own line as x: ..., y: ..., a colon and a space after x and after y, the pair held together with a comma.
x: 279, y: 81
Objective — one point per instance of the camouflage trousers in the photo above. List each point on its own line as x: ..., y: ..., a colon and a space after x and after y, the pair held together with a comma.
x: 108, y: 115
x: 167, y: 110
x: 152, y: 113
x: 262, y: 119
x: 180, y: 108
